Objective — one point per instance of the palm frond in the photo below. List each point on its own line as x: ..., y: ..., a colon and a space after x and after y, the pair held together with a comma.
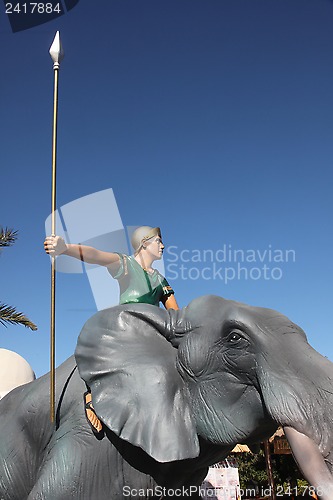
x: 7, y: 236
x: 9, y: 314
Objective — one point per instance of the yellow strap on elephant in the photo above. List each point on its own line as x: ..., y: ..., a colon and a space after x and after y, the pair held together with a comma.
x: 94, y: 421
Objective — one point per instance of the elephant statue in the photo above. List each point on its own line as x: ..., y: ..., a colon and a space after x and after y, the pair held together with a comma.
x: 175, y: 391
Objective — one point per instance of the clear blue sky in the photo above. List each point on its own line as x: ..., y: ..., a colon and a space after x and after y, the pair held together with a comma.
x: 212, y: 119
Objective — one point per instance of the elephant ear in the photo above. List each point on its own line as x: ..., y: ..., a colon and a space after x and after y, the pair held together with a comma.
x: 136, y: 389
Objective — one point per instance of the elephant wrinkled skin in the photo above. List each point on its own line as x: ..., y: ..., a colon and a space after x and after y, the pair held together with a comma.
x: 175, y: 391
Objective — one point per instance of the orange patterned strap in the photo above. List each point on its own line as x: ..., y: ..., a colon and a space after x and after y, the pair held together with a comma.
x: 92, y: 418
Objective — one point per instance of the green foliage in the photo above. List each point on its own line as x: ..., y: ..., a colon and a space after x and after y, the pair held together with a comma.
x: 7, y: 236
x: 9, y: 314
x: 252, y: 468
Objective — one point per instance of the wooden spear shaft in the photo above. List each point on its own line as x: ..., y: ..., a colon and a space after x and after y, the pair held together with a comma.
x: 57, y: 55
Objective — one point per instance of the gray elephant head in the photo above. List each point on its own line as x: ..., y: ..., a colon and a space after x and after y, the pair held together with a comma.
x: 238, y: 373
x: 176, y: 390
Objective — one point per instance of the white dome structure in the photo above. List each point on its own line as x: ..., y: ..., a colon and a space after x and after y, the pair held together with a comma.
x: 14, y: 371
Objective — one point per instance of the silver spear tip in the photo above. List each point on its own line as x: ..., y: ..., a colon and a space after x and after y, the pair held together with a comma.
x: 56, y: 51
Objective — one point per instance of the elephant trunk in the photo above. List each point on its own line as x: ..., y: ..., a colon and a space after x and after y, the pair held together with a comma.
x: 295, y: 383
x: 311, y: 463
x: 297, y: 390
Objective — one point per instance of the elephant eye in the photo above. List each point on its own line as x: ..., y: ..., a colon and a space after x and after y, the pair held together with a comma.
x: 234, y: 338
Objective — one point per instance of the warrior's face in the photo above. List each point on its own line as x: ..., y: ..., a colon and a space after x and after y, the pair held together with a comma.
x: 154, y: 246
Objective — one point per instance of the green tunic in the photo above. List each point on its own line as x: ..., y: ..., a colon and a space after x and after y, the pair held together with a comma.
x: 136, y: 284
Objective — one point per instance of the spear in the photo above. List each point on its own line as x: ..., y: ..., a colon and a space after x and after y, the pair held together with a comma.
x: 57, y: 55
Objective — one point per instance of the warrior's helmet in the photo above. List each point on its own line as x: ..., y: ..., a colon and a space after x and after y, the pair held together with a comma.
x: 142, y: 234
